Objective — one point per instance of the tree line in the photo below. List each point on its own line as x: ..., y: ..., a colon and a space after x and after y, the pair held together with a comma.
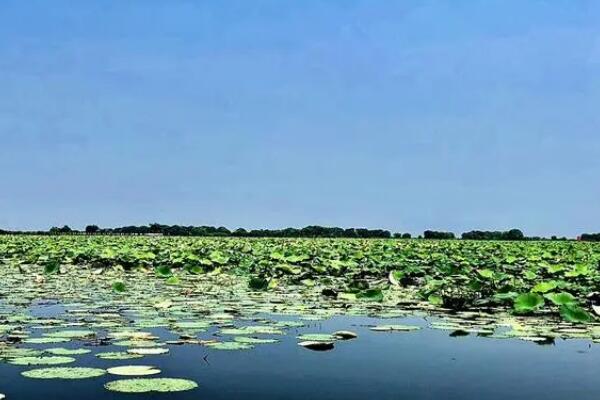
x: 308, y: 231
x: 590, y: 237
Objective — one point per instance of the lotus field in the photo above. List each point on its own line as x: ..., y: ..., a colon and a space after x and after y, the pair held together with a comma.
x: 143, y: 296
x: 529, y: 278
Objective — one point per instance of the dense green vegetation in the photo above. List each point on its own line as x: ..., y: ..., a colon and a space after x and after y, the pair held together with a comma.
x: 549, y: 276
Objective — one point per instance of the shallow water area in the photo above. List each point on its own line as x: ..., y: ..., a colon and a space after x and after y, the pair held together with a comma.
x: 211, y: 331
x: 425, y: 364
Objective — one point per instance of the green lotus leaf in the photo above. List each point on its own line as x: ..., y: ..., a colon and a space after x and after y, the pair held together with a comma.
x: 252, y: 340
x: 528, y: 302
x: 51, y: 267
x: 572, y: 313
x: 64, y: 373
x: 148, y: 385
x: 395, y: 328
x: 163, y: 271
x: 46, y: 340
x: 317, y: 345
x: 148, y: 351
x: 395, y: 277
x: 435, y: 300
x: 173, y: 280
x: 370, y: 295
x: 71, y: 334
x: 49, y: 360
x: 345, y: 335
x: 119, y: 287
x: 229, y: 346
x: 561, y: 298
x: 317, y: 337
x: 117, y: 355
x: 486, y: 273
x: 544, y: 287
x: 133, y: 370
x: 61, y: 351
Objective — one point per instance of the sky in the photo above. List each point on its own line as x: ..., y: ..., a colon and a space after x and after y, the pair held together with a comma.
x: 404, y: 115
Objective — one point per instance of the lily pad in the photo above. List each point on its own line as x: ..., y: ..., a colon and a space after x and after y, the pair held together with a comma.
x: 345, y: 335
x: 561, y: 299
x: 133, y: 370
x: 50, y: 360
x: 317, y: 345
x: 64, y: 373
x: 74, y: 334
x: 61, y: 351
x: 46, y: 340
x: 148, y: 351
x: 229, y: 346
x: 395, y: 328
x: 317, y: 337
x: 528, y: 302
x: 251, y: 340
x: 117, y: 355
x: 575, y: 314
x: 148, y: 385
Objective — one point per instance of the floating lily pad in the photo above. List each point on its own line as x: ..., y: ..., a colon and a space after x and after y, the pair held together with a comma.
x: 60, y: 351
x: 251, y: 340
x: 15, y: 352
x: 117, y: 355
x: 133, y: 370
x: 229, y: 346
x: 317, y: 345
x: 71, y: 334
x: 64, y: 373
x: 46, y: 340
x: 192, y: 325
x: 50, y: 360
x: 317, y: 337
x: 137, y: 343
x: 345, y: 335
x: 252, y: 330
x: 395, y: 328
x: 147, y: 385
x: 561, y: 299
x: 148, y: 351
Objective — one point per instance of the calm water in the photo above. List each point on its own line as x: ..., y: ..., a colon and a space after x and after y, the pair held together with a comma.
x: 427, y: 364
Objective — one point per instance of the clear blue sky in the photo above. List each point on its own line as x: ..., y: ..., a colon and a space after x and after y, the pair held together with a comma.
x: 404, y: 115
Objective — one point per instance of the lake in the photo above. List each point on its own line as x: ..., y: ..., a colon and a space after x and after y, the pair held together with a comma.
x: 424, y: 364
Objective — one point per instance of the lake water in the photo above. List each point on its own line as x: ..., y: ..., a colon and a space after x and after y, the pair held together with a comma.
x: 425, y: 364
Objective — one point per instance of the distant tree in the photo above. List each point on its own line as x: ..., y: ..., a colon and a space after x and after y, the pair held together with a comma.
x: 240, y: 232
x: 438, y: 235
x: 406, y: 236
x: 590, y: 237
x: 515, y: 234
x: 91, y: 229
